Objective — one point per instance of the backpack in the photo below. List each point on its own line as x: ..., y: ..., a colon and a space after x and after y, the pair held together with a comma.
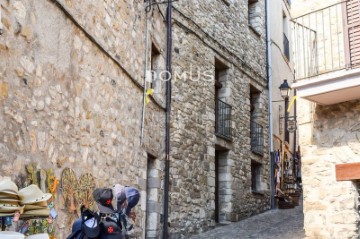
x: 79, y: 228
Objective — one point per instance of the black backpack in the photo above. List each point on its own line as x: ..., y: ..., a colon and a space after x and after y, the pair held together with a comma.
x: 76, y: 232
x: 78, y: 228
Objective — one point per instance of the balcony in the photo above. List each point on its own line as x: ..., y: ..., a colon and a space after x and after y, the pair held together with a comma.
x: 223, y: 120
x: 327, y: 54
x: 257, y: 138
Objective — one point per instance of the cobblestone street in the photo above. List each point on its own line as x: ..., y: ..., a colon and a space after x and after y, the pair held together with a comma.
x: 274, y: 224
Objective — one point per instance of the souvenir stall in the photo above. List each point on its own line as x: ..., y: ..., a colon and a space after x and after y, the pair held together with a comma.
x: 287, y: 190
x: 27, y: 213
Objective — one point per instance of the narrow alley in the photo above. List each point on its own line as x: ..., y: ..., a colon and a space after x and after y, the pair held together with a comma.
x: 273, y: 224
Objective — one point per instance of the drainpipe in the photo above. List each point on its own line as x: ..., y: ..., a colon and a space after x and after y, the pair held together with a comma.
x: 147, y: 10
x: 269, y: 84
x: 295, y: 136
x: 167, y: 122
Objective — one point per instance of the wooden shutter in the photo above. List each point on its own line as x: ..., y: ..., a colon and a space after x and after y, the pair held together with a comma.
x: 352, y: 32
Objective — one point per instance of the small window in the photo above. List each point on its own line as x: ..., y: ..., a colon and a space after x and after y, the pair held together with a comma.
x: 256, y: 128
x: 286, y: 40
x: 254, y: 15
x: 255, y: 176
x: 222, y: 108
x: 155, y: 69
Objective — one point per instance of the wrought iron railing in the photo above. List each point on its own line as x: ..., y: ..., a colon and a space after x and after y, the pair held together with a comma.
x: 257, y: 138
x: 318, y: 42
x: 223, y: 119
x: 286, y: 47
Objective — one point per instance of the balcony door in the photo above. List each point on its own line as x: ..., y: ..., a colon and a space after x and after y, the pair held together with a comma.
x: 351, y: 10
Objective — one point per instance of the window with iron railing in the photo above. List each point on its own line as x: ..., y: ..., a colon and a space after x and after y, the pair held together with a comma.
x: 255, y: 176
x: 257, y: 138
x: 223, y: 119
x: 286, y: 47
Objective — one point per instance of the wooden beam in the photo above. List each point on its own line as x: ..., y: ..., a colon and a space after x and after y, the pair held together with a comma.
x: 347, y: 172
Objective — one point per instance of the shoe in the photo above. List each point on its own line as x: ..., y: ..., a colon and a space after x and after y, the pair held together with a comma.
x: 130, y: 227
x: 129, y: 224
x: 130, y: 231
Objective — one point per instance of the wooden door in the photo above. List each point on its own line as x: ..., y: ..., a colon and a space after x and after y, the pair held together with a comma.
x: 351, y: 10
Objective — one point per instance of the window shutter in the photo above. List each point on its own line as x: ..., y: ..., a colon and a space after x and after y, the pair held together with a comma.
x: 352, y: 31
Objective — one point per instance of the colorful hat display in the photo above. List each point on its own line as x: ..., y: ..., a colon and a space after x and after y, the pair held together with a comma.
x: 29, y: 201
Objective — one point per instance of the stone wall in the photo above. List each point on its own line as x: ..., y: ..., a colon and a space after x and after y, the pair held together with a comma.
x: 207, y: 169
x: 329, y: 136
x: 71, y: 95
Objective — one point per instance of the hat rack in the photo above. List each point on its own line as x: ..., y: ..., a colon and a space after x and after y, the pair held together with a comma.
x: 30, y: 202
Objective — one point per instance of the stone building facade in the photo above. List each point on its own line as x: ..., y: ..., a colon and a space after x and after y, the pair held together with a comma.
x: 329, y: 205
x: 328, y: 118
x: 71, y: 96
x: 215, y: 174
x: 282, y: 66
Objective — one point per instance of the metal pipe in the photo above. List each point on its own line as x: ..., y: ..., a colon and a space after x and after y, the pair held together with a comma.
x: 269, y: 85
x: 303, y: 48
x: 147, y: 9
x: 324, y: 41
x: 294, y: 145
x: 286, y: 119
x: 331, y: 42
x: 167, y: 121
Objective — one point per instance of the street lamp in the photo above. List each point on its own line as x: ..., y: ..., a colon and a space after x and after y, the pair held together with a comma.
x: 285, y: 92
x: 285, y: 89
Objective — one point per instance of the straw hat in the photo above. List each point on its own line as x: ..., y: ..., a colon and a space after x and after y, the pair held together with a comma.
x: 11, y: 235
x: 39, y: 236
x: 8, y: 187
x: 45, y: 212
x: 8, y: 197
x: 11, y: 208
x: 33, y: 195
x: 9, y: 201
x: 29, y: 207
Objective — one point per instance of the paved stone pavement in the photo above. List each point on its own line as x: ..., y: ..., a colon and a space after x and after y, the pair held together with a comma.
x: 273, y: 224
